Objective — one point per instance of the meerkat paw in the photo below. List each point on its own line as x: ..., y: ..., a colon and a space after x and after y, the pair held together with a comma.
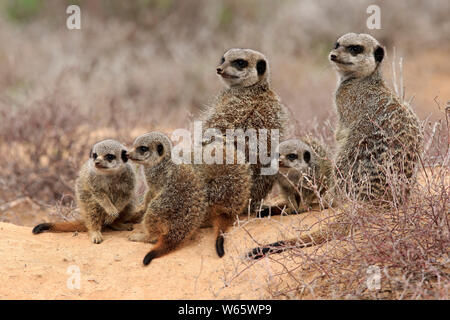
x: 122, y: 226
x: 141, y: 237
x: 96, y: 237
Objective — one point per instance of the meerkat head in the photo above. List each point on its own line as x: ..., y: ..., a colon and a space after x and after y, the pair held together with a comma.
x: 150, y: 149
x: 108, y: 157
x: 295, y: 154
x: 356, y: 55
x: 243, y: 67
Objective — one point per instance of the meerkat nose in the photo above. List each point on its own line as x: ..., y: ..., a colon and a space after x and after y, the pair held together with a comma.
x: 333, y: 57
x: 219, y: 70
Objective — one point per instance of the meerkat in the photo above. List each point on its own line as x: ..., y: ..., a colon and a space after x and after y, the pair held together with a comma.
x: 247, y: 102
x: 182, y: 197
x: 377, y: 136
x: 228, y: 188
x: 305, y: 173
x: 175, y: 201
x: 104, y: 191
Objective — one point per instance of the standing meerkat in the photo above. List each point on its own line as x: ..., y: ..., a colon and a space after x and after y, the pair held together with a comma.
x: 378, y: 137
x: 182, y: 197
x: 305, y: 173
x: 247, y: 103
x: 104, y: 192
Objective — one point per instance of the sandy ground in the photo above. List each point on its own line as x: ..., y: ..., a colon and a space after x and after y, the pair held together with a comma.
x: 41, y: 266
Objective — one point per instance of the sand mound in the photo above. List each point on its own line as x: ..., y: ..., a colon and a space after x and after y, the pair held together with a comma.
x: 45, y: 266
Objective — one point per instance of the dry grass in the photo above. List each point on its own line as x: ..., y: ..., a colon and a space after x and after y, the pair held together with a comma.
x: 406, y: 240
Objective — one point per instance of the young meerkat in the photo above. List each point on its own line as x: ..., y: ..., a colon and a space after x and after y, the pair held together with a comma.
x: 247, y: 103
x: 377, y: 136
x: 104, y: 192
x: 305, y: 172
x: 175, y: 202
x: 182, y: 197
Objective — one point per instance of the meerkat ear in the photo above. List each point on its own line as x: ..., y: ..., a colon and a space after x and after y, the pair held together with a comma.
x: 261, y: 67
x: 124, y: 156
x: 307, y: 156
x: 379, y: 54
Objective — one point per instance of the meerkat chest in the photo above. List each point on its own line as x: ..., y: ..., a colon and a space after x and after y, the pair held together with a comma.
x: 289, y: 176
x: 116, y: 188
x: 347, y: 105
x: 248, y: 110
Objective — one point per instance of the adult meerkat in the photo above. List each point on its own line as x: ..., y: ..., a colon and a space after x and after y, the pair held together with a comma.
x: 228, y: 188
x: 377, y: 136
x: 104, y: 192
x: 182, y: 197
x: 305, y: 172
x: 247, y: 103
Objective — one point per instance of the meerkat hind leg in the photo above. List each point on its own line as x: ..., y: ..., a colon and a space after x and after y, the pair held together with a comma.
x: 148, y: 230
x: 141, y: 236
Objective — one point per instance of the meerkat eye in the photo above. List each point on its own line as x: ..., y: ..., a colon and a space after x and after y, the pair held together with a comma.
x: 94, y: 156
x: 240, y: 63
x: 110, y: 157
x: 160, y: 149
x: 292, y: 156
x: 142, y: 149
x: 222, y: 60
x: 336, y: 45
x: 355, y: 49
x: 307, y: 156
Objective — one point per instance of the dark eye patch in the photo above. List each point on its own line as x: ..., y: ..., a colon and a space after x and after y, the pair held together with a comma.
x: 94, y: 156
x: 307, y: 156
x: 124, y: 155
x: 336, y: 45
x: 160, y: 149
x: 292, y: 156
x: 222, y: 60
x: 142, y: 149
x: 355, y: 49
x: 239, y: 63
x: 110, y: 157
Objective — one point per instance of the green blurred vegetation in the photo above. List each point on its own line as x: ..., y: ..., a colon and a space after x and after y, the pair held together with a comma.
x: 22, y: 10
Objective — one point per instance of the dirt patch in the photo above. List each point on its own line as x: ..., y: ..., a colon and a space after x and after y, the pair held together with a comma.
x: 39, y: 266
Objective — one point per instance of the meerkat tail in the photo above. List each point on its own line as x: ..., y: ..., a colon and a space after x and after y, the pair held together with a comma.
x: 161, y: 248
x: 68, y: 226
x: 219, y: 246
x: 221, y: 223
x: 308, y: 240
x: 272, y: 211
x: 274, y: 248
